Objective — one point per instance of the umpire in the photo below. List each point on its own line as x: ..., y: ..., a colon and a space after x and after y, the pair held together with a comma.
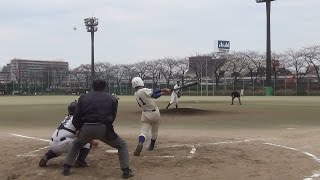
x: 93, y: 119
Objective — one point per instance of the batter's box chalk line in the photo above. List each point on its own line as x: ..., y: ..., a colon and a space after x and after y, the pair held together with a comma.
x: 315, y: 175
x: 31, y: 153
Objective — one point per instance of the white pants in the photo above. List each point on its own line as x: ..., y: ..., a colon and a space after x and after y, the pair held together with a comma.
x: 150, y: 119
x: 59, y: 147
x: 174, y: 98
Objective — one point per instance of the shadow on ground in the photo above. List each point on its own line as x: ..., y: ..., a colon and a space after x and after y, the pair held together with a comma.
x: 190, y: 111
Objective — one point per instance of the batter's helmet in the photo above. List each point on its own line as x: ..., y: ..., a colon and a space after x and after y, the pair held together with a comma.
x: 72, y: 107
x: 137, y: 81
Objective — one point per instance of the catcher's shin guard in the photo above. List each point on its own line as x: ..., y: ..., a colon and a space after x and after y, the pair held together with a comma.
x: 44, y: 159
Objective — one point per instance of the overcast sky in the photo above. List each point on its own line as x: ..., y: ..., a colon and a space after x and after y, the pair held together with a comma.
x: 135, y: 30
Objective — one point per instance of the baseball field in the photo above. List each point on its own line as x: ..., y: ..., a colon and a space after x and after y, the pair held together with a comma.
x: 206, y: 138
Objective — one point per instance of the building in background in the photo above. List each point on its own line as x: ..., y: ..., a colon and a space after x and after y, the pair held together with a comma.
x: 34, y: 75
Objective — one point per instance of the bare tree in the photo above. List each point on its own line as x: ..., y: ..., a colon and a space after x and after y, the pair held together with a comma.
x: 181, y: 68
x: 297, y: 63
x: 197, y: 67
x: 311, y: 55
x: 78, y: 76
x: 219, y: 69
x: 118, y: 74
x: 277, y: 64
x: 83, y: 72
x: 153, y: 70
x: 167, y: 69
x: 130, y: 71
x: 255, y: 64
x: 237, y: 65
x: 141, y: 69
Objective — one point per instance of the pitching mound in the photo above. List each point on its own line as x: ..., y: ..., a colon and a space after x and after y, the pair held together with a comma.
x: 187, y: 111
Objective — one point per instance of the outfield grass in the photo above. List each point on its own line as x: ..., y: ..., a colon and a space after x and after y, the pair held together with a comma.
x: 256, y: 112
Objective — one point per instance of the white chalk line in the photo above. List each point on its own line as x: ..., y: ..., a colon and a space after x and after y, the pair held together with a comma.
x: 233, y: 142
x: 30, y: 154
x: 29, y: 137
x: 303, y: 152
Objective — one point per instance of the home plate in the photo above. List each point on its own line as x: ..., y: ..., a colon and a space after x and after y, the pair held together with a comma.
x: 112, y: 151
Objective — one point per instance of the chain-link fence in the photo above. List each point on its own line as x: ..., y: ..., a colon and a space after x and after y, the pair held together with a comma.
x: 306, y: 87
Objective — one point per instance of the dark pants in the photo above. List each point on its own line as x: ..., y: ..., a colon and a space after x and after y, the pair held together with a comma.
x: 238, y: 98
x: 97, y: 131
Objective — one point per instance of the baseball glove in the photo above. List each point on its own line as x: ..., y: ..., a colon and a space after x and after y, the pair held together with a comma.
x: 179, y: 94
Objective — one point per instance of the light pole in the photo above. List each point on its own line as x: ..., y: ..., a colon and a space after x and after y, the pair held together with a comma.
x: 268, y: 55
x: 91, y: 25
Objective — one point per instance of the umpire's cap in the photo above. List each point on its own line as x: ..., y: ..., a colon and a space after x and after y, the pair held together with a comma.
x: 99, y: 84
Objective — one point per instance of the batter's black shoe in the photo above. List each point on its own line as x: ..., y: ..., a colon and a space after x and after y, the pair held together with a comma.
x: 43, y: 161
x: 150, y: 148
x: 152, y: 143
x: 138, y: 149
x: 127, y: 174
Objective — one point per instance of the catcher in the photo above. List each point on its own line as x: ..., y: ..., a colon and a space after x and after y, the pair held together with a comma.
x: 62, y: 138
x: 235, y: 94
x: 175, y: 95
x: 150, y: 117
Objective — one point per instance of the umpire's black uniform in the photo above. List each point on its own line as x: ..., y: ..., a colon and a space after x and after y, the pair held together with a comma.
x: 94, y: 117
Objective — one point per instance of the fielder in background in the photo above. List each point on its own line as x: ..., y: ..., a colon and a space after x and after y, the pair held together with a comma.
x: 235, y: 94
x: 150, y: 117
x: 241, y: 92
x: 175, y: 95
x: 62, y: 138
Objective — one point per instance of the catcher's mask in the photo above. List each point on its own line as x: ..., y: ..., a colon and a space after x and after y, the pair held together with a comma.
x: 72, y: 107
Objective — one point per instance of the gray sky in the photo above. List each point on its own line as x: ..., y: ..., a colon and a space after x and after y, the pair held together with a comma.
x: 136, y: 30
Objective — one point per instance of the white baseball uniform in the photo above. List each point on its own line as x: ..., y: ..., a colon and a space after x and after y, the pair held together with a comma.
x: 150, y: 113
x: 63, y: 136
x: 174, y: 95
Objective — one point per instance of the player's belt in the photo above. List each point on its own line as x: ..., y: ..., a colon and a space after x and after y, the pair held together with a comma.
x: 153, y: 110
x: 61, y: 139
x: 92, y: 123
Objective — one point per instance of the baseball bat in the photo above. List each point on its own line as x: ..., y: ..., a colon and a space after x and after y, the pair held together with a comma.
x: 187, y: 85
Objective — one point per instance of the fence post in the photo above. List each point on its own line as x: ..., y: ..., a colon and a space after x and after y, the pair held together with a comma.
x: 253, y: 87
x: 285, y: 85
x: 308, y: 86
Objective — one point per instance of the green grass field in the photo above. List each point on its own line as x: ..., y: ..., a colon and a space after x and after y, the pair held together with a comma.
x: 256, y: 112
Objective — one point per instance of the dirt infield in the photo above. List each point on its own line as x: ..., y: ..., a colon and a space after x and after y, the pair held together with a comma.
x: 174, y: 158
x: 203, y: 142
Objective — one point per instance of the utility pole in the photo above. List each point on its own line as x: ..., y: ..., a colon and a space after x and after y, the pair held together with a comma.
x: 91, y: 25
x: 268, y: 48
